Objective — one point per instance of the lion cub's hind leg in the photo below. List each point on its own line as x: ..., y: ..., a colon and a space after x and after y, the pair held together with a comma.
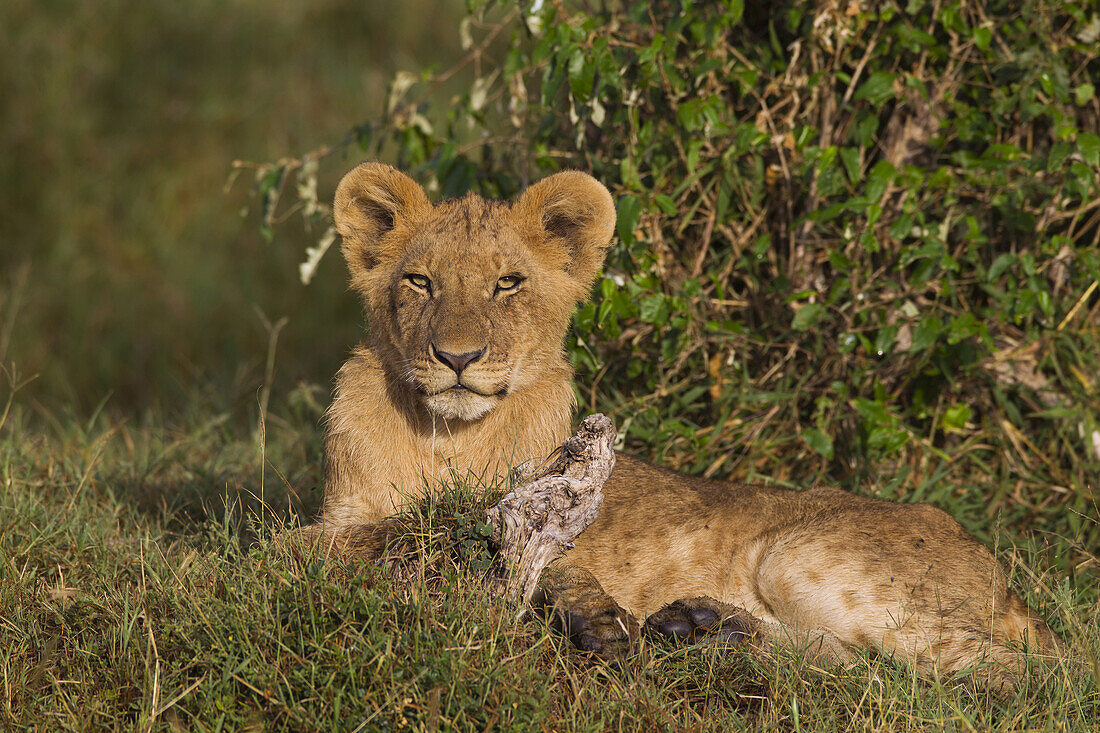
x: 906, y: 581
x: 702, y: 619
x: 578, y: 606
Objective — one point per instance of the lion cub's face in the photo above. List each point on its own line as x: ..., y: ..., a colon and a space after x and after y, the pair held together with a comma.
x: 470, y: 299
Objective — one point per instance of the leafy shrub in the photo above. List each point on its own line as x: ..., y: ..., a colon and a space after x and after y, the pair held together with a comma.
x: 856, y: 241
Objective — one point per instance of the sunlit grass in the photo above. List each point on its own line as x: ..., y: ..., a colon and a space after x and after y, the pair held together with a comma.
x: 140, y: 590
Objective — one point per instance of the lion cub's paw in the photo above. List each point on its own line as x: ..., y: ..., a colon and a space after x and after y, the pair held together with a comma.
x: 576, y: 605
x: 693, y: 620
x: 597, y: 625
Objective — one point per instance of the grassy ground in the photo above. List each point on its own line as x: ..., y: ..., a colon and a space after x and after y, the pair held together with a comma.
x: 138, y: 591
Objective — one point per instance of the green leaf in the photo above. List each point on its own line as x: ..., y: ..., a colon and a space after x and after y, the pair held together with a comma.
x: 821, y: 443
x: 608, y: 288
x: 878, y: 89
x: 1084, y: 94
x: 886, y: 439
x: 692, y: 114
x: 982, y: 37
x: 850, y: 158
x: 586, y: 317
x: 1046, y: 303
x: 808, y: 316
x: 654, y: 309
x: 1058, y: 154
x: 1088, y: 144
x: 955, y: 417
x: 829, y: 180
x: 734, y: 9
x: 629, y: 208
x: 666, y: 204
x: 881, y: 175
x: 604, y: 311
x: 1002, y: 263
x: 582, y: 73
x: 884, y: 340
x: 826, y: 159
x: 962, y: 327
x: 865, y: 130
x: 926, y: 333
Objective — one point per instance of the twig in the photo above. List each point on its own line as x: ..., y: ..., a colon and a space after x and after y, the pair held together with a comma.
x: 273, y: 330
x: 705, y: 246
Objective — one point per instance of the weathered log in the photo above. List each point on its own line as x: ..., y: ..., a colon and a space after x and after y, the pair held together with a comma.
x: 538, y: 521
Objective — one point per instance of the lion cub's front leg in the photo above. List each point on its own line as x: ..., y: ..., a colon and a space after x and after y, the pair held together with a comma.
x: 580, y: 608
x: 362, y: 541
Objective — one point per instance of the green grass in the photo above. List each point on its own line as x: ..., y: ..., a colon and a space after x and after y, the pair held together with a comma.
x: 139, y: 590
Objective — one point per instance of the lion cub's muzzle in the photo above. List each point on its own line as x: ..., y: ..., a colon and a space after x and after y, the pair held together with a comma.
x: 460, y: 385
x: 457, y: 362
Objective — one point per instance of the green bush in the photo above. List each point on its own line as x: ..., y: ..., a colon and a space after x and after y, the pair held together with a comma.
x: 857, y: 242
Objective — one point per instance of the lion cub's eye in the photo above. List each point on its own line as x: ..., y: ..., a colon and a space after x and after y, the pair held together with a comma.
x: 419, y: 282
x: 508, y: 283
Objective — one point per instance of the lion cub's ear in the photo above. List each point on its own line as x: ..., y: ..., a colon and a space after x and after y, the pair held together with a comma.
x: 573, y: 216
x: 373, y: 201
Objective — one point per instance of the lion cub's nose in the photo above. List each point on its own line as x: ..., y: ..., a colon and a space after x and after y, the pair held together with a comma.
x: 457, y: 362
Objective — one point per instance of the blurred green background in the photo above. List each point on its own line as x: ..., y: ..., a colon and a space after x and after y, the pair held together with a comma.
x: 127, y: 270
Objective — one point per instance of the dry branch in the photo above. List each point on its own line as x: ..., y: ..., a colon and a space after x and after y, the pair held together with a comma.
x: 538, y: 521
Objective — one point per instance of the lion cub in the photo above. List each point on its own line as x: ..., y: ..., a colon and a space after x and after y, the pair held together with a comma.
x: 468, y: 302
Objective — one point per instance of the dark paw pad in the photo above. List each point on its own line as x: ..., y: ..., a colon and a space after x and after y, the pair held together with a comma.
x: 676, y: 628
x: 731, y: 635
x: 702, y: 616
x: 606, y: 631
x: 576, y: 625
x: 587, y: 643
x: 700, y: 619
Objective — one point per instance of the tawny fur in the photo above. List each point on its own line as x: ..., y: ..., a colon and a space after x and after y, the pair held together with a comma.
x: 903, y: 579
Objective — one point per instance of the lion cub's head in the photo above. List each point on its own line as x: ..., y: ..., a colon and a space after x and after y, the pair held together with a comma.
x: 469, y: 300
